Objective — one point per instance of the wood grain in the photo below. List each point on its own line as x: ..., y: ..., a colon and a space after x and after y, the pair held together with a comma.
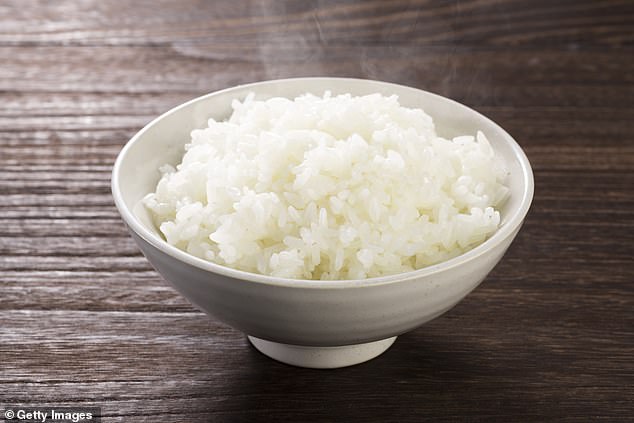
x: 482, y: 22
x: 84, y: 320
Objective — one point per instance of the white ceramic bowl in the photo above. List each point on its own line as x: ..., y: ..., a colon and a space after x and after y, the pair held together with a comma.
x: 322, y: 324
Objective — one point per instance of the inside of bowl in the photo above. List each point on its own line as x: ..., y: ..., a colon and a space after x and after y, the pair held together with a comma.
x: 163, y: 140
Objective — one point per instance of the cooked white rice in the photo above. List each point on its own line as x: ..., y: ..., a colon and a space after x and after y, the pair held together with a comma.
x: 329, y: 187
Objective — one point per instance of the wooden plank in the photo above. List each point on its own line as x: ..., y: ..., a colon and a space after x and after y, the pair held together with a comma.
x: 68, y: 246
x: 60, y: 211
x: 492, y: 78
x: 74, y: 104
x: 207, y: 368
x: 33, y: 262
x: 64, y: 227
x: 107, y: 290
x: 158, y: 330
x: 44, y: 200
x: 481, y: 23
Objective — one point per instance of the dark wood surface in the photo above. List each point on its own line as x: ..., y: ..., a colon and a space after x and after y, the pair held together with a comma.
x: 84, y: 320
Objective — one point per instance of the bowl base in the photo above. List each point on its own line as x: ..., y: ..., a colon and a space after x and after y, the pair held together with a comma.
x: 322, y: 357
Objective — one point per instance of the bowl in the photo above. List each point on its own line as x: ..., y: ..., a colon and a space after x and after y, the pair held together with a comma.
x: 318, y: 324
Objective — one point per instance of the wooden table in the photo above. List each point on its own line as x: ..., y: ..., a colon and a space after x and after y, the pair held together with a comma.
x: 84, y: 320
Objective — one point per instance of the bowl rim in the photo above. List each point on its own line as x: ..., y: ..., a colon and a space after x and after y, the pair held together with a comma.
x: 515, y: 220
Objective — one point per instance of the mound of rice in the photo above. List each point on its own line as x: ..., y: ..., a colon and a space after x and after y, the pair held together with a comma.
x: 332, y: 187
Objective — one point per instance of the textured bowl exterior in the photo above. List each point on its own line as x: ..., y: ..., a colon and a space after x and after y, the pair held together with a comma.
x: 313, y: 313
x: 327, y: 316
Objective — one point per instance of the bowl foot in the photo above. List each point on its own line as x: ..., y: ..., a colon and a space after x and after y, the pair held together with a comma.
x: 322, y: 357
